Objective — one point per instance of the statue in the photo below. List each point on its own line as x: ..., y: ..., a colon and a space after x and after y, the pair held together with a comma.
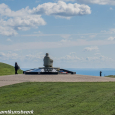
x: 47, y: 61
x: 48, y: 68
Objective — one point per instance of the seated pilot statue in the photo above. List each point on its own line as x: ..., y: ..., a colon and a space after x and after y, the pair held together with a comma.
x: 47, y: 61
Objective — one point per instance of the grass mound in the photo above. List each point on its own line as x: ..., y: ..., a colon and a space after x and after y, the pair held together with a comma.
x: 58, y: 98
x: 6, y: 69
x: 113, y: 76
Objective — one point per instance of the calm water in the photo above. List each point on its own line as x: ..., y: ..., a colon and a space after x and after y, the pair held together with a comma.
x: 89, y: 71
x: 94, y: 72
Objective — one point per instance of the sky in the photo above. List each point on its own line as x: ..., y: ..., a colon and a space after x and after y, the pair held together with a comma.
x: 75, y: 33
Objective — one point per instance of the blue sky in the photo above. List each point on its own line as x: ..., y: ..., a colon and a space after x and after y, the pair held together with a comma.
x: 75, y: 33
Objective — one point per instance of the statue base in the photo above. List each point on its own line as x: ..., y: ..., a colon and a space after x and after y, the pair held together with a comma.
x: 48, y: 71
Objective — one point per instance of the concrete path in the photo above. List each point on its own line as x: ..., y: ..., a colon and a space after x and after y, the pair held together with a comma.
x: 13, y: 79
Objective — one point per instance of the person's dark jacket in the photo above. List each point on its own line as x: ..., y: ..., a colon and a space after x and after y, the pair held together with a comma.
x: 16, y: 66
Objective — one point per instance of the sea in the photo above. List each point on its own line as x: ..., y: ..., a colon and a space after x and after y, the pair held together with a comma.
x: 88, y: 71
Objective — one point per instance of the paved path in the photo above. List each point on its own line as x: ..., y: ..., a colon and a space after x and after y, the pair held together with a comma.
x: 13, y: 79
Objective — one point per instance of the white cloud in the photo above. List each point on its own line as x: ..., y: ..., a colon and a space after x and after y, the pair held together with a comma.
x: 38, y: 32
x: 8, y: 31
x: 97, y: 54
x: 67, y: 0
x: 71, y: 56
x: 10, y: 55
x: 6, y: 11
x: 91, y: 58
x: 2, y: 54
x: 34, y: 57
x: 60, y: 44
x: 9, y: 40
x: 37, y: 1
x: 64, y: 40
x: 61, y: 9
x: 101, y: 2
x: 11, y: 21
x: 23, y: 23
x: 111, y: 38
x: 112, y: 30
x: 99, y: 58
x: 65, y: 36
x: 25, y: 18
x: 93, y: 36
x: 72, y: 59
x: 111, y: 8
x: 92, y: 48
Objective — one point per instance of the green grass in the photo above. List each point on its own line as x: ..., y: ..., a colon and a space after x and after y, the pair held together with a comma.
x: 113, y: 76
x: 58, y: 98
x: 6, y: 69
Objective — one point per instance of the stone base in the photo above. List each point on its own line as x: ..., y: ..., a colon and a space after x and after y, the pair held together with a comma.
x: 49, y: 69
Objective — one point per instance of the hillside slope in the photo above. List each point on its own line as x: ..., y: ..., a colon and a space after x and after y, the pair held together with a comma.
x: 60, y: 98
x: 6, y: 69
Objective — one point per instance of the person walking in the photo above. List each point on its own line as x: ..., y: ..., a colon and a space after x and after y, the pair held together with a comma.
x: 16, y: 67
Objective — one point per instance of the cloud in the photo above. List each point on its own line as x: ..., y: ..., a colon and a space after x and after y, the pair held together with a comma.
x: 61, y: 9
x: 71, y: 56
x: 92, y: 48
x: 111, y: 8
x: 35, y: 57
x: 11, y: 21
x: 38, y: 32
x: 91, y: 58
x: 37, y: 1
x: 93, y: 36
x: 8, y: 31
x: 100, y: 2
x: 68, y: 0
x: 7, y: 56
x: 99, y: 58
x: 9, y: 40
x: 6, y: 11
x: 65, y: 36
x: 97, y: 54
x: 23, y: 23
x: 74, y: 58
x: 12, y: 57
x: 59, y: 44
x: 2, y: 54
x: 66, y: 39
x: 111, y: 38
x: 110, y: 31
x: 25, y: 18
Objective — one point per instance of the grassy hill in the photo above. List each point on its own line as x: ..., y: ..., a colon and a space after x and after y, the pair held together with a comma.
x: 113, y: 76
x: 6, y: 69
x: 59, y: 98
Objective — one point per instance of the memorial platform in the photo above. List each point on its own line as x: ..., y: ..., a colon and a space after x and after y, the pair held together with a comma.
x: 48, y: 68
x: 53, y: 71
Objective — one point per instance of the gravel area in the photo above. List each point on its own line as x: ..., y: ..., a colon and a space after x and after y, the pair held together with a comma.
x: 13, y: 79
